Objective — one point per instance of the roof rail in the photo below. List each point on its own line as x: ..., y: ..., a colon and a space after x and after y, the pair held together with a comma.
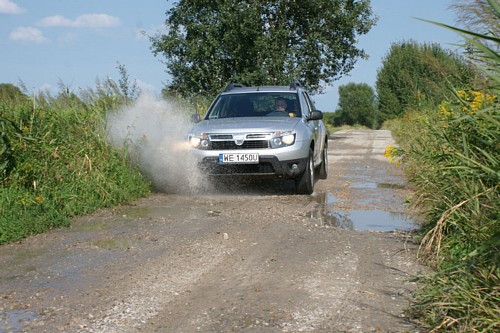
x: 231, y: 86
x: 295, y: 85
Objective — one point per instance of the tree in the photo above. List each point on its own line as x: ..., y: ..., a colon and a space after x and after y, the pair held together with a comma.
x: 356, y: 105
x: 257, y: 42
x: 413, y: 73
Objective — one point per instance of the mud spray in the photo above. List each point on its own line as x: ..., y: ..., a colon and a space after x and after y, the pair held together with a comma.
x: 154, y: 132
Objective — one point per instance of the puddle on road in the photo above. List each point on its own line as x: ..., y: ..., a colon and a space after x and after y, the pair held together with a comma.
x: 16, y: 320
x: 19, y: 260
x: 357, y: 219
x: 361, y: 185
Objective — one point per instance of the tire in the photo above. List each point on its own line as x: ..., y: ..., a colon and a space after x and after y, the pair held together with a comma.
x: 304, y: 184
x: 323, y: 168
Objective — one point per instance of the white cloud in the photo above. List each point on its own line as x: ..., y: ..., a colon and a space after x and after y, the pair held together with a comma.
x: 8, y: 7
x: 82, y: 21
x: 28, y: 34
x: 68, y: 38
x: 56, y: 21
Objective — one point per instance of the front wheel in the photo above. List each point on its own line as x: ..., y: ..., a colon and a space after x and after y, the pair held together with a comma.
x: 304, y: 184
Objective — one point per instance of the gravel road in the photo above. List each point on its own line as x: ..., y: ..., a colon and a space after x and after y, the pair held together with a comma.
x: 244, y: 258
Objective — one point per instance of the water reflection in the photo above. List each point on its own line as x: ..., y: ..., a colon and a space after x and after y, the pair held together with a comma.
x: 372, y: 185
x: 377, y: 220
x: 324, y: 217
x: 16, y: 320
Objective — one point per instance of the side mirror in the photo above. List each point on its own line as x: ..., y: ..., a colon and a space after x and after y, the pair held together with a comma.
x: 195, y: 118
x: 315, y: 115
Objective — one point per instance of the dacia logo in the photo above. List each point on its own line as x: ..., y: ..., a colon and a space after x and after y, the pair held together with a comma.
x: 239, y: 139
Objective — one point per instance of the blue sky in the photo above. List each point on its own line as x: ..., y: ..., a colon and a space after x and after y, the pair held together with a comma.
x: 76, y: 41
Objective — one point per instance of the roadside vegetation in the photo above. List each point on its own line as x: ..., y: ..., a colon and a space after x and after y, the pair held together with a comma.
x: 55, y: 162
x: 448, y: 143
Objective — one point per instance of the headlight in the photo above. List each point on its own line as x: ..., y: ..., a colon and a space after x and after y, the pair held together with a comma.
x: 288, y: 139
x: 199, y: 141
x: 282, y: 139
x: 195, y: 142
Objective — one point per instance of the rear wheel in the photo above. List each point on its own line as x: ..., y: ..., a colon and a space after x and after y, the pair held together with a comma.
x: 304, y: 184
x: 323, y: 168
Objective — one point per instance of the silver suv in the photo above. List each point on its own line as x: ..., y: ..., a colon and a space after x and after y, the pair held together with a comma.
x: 263, y: 131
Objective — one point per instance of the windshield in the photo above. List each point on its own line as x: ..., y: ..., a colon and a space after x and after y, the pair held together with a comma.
x: 256, y: 105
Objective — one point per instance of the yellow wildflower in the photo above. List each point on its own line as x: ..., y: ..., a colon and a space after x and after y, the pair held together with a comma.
x: 394, y: 154
x: 39, y: 199
x: 476, y: 100
x: 445, y: 109
x: 462, y: 94
x: 389, y: 150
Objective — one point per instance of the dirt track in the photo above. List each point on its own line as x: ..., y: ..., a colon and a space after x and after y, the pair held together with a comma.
x: 245, y: 258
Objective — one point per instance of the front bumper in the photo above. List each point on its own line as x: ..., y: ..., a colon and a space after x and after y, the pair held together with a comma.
x: 286, y: 162
x: 268, y: 166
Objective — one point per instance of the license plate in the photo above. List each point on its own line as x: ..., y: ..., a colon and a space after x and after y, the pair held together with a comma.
x: 238, y: 158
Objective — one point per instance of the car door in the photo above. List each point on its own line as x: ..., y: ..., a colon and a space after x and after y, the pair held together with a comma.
x: 314, y: 126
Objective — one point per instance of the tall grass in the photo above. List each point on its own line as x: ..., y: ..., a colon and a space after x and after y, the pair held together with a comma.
x: 55, y: 161
x: 452, y: 158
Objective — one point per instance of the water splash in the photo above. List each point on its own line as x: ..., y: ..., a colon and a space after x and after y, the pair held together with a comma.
x: 153, y: 131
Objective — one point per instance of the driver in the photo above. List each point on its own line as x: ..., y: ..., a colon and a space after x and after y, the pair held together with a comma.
x: 280, y: 104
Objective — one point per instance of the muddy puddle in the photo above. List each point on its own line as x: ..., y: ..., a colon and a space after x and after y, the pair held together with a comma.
x: 365, y: 213
x: 361, y: 185
x: 15, y: 320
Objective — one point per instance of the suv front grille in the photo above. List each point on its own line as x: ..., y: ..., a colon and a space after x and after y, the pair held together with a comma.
x: 230, y: 145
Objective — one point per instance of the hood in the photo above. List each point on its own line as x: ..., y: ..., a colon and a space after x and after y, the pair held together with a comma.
x: 246, y: 125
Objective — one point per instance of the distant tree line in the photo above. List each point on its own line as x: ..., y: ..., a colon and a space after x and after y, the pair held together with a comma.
x: 410, y: 75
